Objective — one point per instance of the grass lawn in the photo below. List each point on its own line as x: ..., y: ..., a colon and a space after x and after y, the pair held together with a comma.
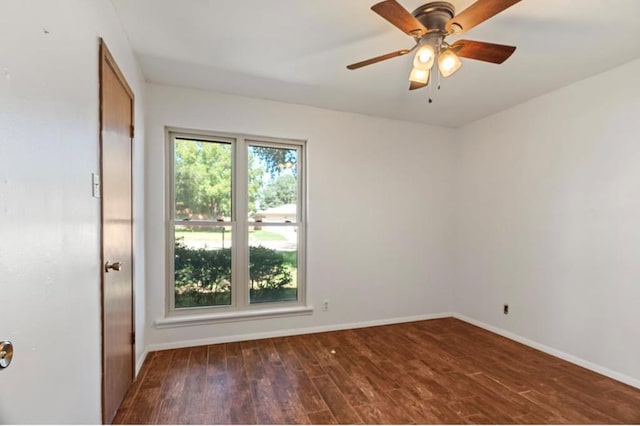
x: 216, y: 235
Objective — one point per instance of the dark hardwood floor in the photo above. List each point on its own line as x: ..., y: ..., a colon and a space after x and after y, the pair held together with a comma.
x: 438, y: 371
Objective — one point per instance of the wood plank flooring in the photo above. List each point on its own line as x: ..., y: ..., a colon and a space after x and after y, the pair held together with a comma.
x: 438, y: 371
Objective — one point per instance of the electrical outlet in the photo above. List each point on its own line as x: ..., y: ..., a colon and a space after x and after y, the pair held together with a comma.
x: 505, y: 309
x: 325, y: 305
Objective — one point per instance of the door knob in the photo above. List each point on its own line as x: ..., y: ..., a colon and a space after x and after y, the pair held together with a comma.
x: 114, y: 266
x: 6, y: 354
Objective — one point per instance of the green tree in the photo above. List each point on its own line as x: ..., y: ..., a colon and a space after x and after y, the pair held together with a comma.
x: 255, y: 182
x: 281, y: 190
x: 202, y: 178
x: 277, y: 159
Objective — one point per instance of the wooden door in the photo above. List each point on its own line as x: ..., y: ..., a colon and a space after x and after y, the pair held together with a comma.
x: 116, y: 135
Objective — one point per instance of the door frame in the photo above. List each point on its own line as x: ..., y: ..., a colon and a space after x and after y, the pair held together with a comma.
x: 106, y: 59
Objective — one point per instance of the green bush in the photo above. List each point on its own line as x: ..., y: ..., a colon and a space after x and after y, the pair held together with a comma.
x: 267, y: 269
x: 203, y: 277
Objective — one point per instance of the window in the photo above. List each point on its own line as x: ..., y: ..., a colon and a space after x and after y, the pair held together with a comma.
x: 236, y: 223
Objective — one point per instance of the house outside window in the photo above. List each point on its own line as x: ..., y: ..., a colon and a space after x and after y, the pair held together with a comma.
x: 236, y: 228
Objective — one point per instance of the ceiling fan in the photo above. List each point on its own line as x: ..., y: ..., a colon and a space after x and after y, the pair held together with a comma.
x: 429, y: 25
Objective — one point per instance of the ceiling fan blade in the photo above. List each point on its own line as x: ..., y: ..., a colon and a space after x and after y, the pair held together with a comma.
x: 413, y: 85
x: 476, y: 14
x: 378, y: 59
x: 393, y: 12
x: 483, y: 51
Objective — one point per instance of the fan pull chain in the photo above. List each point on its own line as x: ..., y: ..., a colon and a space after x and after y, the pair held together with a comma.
x: 435, y: 70
x: 437, y: 83
x: 435, y: 64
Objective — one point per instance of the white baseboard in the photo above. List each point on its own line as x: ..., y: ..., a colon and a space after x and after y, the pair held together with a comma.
x: 291, y: 332
x: 555, y: 352
x: 140, y: 361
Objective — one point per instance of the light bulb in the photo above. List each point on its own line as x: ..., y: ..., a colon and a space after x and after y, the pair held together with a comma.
x: 448, y: 63
x: 419, y: 75
x: 424, y: 57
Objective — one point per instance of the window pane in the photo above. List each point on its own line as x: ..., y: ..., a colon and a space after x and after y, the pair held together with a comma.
x: 202, y: 180
x: 202, y: 266
x: 273, y: 263
x: 273, y: 184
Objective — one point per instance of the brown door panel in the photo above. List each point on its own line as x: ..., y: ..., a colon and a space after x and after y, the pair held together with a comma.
x: 116, y: 118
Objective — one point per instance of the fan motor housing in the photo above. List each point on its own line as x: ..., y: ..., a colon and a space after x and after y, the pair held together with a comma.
x: 435, y: 15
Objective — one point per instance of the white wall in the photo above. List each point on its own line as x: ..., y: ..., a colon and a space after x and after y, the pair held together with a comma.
x: 379, y: 210
x: 49, y: 222
x: 548, y: 209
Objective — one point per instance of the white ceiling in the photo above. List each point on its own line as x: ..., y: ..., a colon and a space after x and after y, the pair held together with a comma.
x: 296, y: 51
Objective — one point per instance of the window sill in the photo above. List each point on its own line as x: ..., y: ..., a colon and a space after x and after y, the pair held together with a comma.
x: 189, y: 320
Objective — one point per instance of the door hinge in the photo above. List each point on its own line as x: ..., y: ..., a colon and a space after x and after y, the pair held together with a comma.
x: 131, y: 131
x: 133, y: 338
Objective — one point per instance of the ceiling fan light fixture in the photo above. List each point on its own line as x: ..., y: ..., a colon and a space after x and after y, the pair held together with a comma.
x: 419, y: 75
x: 424, y: 57
x: 429, y: 25
x: 448, y: 63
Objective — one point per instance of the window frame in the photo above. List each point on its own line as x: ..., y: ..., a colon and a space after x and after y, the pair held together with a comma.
x: 240, y: 307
